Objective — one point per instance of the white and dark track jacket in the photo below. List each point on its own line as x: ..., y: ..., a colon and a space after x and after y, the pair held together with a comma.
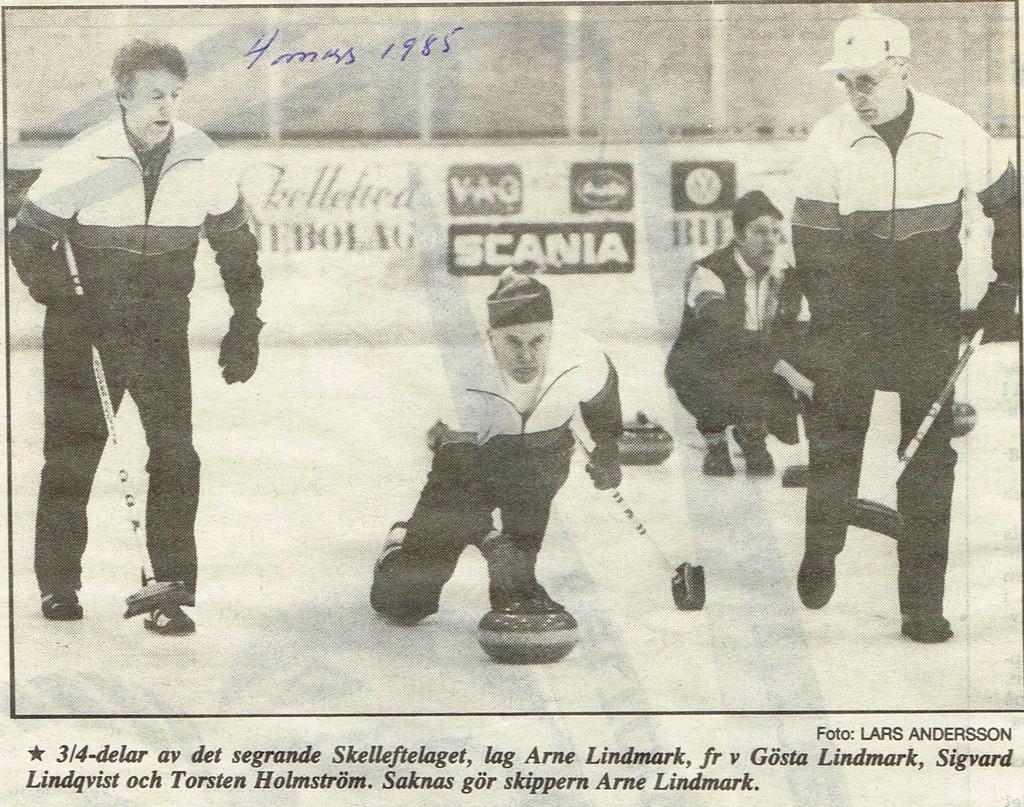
x: 735, y: 325
x: 578, y: 377
x: 876, y: 235
x: 91, y: 193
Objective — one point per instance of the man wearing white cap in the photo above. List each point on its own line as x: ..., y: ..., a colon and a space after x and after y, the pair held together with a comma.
x: 876, y: 235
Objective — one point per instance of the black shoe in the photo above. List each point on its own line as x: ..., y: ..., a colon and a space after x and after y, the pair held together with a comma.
x: 169, y: 620
x: 62, y: 607
x: 717, y: 462
x: 751, y: 437
x: 816, y: 580
x: 929, y: 629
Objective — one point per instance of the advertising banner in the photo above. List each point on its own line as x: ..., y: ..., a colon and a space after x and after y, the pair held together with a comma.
x: 479, y: 189
x: 703, y: 185
x: 329, y: 204
x: 601, y: 186
x: 564, y: 248
x: 703, y: 194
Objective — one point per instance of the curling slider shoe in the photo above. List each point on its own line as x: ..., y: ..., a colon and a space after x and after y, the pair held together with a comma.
x: 154, y: 595
x: 62, y: 607
x: 927, y: 628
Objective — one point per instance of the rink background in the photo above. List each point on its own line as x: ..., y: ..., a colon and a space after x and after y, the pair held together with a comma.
x: 388, y: 283
x: 307, y: 465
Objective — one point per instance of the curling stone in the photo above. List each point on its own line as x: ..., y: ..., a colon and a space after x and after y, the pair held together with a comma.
x: 688, y: 587
x: 536, y: 631
x: 644, y: 442
x: 965, y: 416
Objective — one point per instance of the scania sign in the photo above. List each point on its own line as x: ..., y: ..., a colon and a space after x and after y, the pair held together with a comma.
x: 480, y: 190
x: 601, y: 186
x: 572, y: 248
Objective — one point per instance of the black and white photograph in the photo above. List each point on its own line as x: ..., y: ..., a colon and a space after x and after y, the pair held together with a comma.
x: 522, y: 376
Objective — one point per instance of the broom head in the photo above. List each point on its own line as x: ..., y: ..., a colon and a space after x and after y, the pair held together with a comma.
x: 877, y: 517
x: 154, y: 595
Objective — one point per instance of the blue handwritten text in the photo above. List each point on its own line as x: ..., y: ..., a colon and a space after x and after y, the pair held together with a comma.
x: 421, y: 47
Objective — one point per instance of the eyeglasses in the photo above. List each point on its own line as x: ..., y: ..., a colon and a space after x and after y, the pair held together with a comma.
x: 864, y: 84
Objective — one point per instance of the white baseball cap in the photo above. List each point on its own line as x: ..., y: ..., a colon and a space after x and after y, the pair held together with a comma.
x: 868, y: 40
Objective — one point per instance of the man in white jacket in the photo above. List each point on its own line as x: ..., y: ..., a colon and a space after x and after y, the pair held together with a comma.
x: 131, y: 198
x: 507, y: 446
x: 876, y: 236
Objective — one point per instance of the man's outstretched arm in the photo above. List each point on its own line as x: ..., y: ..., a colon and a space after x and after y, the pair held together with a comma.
x: 602, y: 416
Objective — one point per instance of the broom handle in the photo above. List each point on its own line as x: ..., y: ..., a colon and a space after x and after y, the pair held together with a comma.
x: 929, y: 419
x: 107, y: 405
x: 627, y: 511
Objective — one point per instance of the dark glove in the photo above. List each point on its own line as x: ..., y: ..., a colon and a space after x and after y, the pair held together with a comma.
x: 240, y: 349
x: 997, y: 312
x: 40, y: 263
x: 52, y: 293
x: 604, y: 466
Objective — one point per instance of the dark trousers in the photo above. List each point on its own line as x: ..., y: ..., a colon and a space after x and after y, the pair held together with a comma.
x: 836, y: 427
x: 465, y: 485
x: 720, y: 394
x: 151, y: 362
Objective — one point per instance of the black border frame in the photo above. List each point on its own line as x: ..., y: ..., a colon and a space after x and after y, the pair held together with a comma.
x: 13, y: 714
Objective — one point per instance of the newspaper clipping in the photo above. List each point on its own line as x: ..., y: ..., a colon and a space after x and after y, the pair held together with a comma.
x: 513, y: 403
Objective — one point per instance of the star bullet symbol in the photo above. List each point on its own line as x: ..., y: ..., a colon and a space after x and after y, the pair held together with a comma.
x: 36, y: 753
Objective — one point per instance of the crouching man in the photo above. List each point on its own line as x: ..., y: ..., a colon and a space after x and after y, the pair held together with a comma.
x: 509, y: 450
x: 731, y: 365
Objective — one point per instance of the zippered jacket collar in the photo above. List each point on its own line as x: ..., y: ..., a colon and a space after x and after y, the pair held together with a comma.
x: 110, y: 141
x: 925, y: 120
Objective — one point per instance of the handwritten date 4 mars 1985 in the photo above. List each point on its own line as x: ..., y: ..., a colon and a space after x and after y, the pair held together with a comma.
x: 412, y: 47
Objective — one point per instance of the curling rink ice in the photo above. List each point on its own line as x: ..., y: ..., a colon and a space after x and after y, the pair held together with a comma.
x: 307, y: 465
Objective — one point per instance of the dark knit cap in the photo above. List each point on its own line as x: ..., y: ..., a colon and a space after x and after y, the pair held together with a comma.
x: 751, y: 206
x: 517, y: 300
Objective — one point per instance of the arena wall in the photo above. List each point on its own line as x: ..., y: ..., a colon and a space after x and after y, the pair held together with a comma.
x: 390, y: 244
